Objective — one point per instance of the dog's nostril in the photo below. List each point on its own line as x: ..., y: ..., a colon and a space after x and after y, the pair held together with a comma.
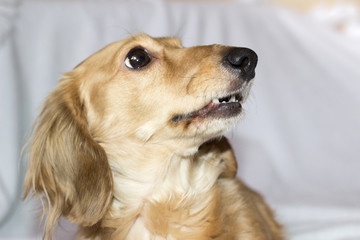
x: 238, y: 60
x: 243, y: 60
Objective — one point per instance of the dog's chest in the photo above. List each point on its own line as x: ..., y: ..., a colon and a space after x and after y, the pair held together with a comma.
x: 178, y: 218
x: 183, y: 204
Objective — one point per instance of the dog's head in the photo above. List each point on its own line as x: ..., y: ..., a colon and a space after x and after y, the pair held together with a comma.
x: 131, y: 93
x: 157, y: 90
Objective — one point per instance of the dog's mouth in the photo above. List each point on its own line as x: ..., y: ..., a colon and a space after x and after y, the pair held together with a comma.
x: 224, y: 107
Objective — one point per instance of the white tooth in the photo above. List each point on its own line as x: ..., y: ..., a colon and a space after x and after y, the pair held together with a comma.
x: 232, y: 99
x: 215, y: 100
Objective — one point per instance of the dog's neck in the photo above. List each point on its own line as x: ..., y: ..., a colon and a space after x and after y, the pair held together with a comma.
x: 161, y: 178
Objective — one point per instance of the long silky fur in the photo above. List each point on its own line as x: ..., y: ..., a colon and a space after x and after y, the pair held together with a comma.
x: 62, y: 154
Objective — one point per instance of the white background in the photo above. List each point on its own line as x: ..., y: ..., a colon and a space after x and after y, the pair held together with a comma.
x: 299, y: 144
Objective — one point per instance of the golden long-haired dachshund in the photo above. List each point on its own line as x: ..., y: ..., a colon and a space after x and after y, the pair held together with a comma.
x: 129, y: 145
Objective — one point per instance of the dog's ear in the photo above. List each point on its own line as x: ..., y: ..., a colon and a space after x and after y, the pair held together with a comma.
x: 66, y: 164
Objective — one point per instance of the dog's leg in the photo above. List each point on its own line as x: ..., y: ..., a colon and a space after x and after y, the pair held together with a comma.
x: 222, y: 149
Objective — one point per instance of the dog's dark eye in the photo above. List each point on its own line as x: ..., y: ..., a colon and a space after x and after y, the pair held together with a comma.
x: 137, y: 58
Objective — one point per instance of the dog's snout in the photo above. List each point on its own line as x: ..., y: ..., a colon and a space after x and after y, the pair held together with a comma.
x: 242, y: 60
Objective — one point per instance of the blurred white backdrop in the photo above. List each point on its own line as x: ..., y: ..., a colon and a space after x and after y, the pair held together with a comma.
x: 299, y: 142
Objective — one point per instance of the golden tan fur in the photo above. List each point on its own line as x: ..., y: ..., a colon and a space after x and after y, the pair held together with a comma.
x: 107, y: 154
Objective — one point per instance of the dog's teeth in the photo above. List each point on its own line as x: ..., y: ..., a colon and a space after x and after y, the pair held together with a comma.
x: 236, y: 98
x: 230, y: 99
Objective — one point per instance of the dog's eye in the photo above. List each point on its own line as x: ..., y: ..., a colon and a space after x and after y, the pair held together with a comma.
x: 137, y: 58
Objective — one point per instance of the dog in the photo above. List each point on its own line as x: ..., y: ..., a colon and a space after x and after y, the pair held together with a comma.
x: 130, y: 145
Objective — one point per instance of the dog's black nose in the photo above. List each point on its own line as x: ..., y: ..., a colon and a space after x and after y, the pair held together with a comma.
x: 242, y: 60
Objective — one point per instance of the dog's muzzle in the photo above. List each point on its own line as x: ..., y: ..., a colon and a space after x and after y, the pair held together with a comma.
x: 242, y: 61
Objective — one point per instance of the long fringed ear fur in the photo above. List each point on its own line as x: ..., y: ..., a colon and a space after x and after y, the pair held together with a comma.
x: 67, y: 166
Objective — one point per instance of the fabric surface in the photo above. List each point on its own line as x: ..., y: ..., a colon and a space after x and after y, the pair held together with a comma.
x: 298, y: 143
